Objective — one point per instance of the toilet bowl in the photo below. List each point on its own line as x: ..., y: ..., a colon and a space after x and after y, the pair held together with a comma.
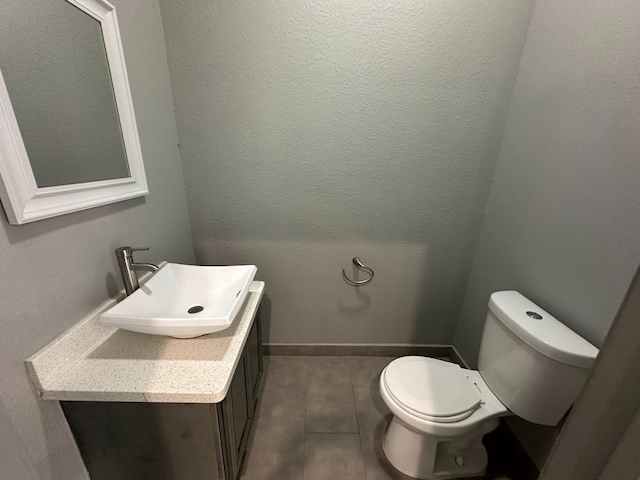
x: 440, y: 414
x: 529, y: 365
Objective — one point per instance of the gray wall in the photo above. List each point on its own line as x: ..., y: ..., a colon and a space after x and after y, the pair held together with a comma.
x: 624, y: 461
x: 602, y: 430
x: 562, y: 223
x: 55, y: 271
x: 314, y: 131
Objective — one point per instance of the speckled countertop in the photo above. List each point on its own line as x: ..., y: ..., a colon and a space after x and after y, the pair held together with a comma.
x: 92, y: 362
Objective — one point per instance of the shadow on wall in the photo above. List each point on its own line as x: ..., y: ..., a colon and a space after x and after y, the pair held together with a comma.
x: 61, y: 452
x: 413, y: 299
x: 51, y: 452
x: 14, y: 458
x: 21, y: 462
x: 19, y: 233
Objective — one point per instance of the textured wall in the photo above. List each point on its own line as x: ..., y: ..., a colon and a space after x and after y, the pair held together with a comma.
x: 562, y: 223
x: 55, y: 271
x: 314, y: 131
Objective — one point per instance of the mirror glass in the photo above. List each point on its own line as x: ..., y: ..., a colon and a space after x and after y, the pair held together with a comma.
x: 53, y: 60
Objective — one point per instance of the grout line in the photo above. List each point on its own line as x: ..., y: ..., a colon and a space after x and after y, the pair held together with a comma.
x: 358, y: 432
x: 307, y: 383
x: 355, y: 410
x: 350, y: 370
x: 355, y: 404
x: 306, y: 397
x: 307, y: 378
x: 304, y: 448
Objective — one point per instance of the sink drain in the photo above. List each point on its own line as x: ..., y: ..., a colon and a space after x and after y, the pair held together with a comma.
x: 196, y: 309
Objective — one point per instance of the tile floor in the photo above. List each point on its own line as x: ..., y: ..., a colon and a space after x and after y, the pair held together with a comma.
x: 322, y: 418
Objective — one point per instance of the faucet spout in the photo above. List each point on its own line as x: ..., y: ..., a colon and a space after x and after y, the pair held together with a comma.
x: 148, y: 267
x: 128, y: 268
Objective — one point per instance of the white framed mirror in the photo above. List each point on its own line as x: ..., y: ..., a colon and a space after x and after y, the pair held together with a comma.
x: 68, y: 134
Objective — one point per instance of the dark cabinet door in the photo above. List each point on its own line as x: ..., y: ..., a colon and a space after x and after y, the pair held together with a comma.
x: 238, y: 406
x: 239, y: 398
x: 255, y: 359
x: 144, y: 441
x: 236, y: 415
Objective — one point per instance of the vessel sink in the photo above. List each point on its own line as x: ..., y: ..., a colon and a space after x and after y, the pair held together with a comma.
x: 184, y: 301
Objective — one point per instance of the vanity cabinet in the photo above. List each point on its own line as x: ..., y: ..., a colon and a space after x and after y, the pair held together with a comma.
x: 172, y: 441
x: 238, y: 408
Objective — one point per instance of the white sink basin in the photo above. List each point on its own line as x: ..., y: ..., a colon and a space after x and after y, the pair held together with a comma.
x: 184, y: 301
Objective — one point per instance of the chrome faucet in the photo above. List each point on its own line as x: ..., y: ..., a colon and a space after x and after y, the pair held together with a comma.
x: 128, y: 268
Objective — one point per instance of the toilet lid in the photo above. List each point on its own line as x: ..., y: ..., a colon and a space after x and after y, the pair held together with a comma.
x: 432, y: 389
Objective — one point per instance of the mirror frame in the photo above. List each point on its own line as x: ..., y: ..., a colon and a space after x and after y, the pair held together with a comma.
x: 22, y: 199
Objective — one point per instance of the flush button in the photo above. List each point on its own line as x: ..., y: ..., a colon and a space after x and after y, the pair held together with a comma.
x: 534, y: 315
x: 459, y: 460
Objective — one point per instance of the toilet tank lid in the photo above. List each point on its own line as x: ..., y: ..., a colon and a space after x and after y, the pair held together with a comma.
x: 541, y: 330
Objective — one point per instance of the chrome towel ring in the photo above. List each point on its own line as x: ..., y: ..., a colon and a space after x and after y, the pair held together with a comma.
x: 359, y: 283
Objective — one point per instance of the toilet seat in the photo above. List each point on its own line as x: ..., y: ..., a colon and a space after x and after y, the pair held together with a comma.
x: 490, y: 408
x: 431, y: 389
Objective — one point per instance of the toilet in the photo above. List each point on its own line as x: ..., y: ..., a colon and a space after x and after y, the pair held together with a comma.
x: 529, y: 365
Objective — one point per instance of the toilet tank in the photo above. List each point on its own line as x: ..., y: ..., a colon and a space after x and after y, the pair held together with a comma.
x: 533, y: 363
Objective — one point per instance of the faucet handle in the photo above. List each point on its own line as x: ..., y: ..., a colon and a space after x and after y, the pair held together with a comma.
x: 126, y: 251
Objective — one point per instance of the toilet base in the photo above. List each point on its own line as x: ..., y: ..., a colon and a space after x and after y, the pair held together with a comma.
x: 428, y: 457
